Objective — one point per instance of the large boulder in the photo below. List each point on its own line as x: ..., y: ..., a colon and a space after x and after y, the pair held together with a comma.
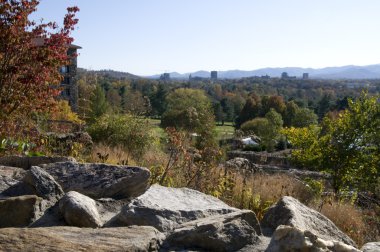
x: 10, y: 178
x: 43, y: 184
x: 19, y: 211
x: 228, y: 232
x: 27, y: 162
x: 289, y: 211
x: 287, y: 238
x: 165, y: 208
x: 79, y: 210
x: 72, y: 239
x: 371, y: 247
x: 100, y: 180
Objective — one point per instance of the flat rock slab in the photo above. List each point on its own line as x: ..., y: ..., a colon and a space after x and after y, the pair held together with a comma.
x: 72, y: 239
x: 228, y: 232
x: 165, y: 208
x: 19, y: 211
x: 289, y: 211
x: 27, y: 162
x: 100, y: 180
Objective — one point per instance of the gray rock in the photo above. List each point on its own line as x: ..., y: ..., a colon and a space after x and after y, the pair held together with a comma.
x: 100, y: 180
x: 10, y: 177
x: 165, y: 208
x: 109, y: 208
x: 289, y: 211
x: 371, y: 247
x: 79, y: 210
x: 27, y: 162
x: 73, y: 239
x: 287, y: 238
x: 228, y: 232
x: 43, y: 184
x: 51, y: 217
x: 242, y: 165
x: 19, y: 211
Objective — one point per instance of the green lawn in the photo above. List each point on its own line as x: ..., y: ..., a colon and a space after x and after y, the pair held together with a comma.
x: 223, y: 132
x: 226, y: 131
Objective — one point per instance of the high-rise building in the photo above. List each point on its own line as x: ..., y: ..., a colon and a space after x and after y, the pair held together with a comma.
x: 284, y: 75
x: 305, y: 76
x: 214, y: 75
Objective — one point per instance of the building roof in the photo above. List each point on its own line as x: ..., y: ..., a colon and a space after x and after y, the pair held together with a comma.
x: 41, y: 42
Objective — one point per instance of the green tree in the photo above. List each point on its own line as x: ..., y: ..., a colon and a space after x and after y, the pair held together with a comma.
x: 348, y: 146
x: 304, y: 117
x: 98, y: 104
x: 290, y: 112
x: 268, y: 128
x: 190, y: 110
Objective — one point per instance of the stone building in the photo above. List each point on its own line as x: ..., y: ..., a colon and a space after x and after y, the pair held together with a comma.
x: 69, y: 83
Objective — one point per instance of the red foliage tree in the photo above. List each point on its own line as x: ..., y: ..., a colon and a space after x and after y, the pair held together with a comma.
x: 30, y: 57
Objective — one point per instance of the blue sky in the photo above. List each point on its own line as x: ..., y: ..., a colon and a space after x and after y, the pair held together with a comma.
x: 146, y: 37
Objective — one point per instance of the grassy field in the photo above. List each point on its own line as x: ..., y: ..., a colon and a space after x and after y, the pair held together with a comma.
x: 223, y: 132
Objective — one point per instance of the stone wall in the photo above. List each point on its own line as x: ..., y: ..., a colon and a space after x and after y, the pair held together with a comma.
x: 263, y: 159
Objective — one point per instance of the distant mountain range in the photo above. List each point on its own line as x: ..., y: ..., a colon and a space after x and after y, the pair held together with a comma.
x: 344, y: 72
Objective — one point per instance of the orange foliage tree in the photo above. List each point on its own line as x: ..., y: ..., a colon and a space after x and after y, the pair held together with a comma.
x: 30, y: 57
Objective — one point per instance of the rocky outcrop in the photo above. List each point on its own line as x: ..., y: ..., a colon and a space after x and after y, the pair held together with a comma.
x: 73, y: 239
x: 118, y: 197
x: 371, y: 247
x: 165, y: 208
x: 100, y: 180
x: 27, y: 162
x: 228, y: 232
x: 79, y: 210
x: 289, y: 211
x: 19, y: 211
x: 287, y: 238
x: 43, y: 184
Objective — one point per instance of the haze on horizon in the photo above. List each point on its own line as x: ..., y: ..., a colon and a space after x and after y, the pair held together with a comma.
x: 147, y: 37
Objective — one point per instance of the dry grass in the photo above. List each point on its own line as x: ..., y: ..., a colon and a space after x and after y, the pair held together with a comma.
x: 350, y: 219
x: 112, y: 155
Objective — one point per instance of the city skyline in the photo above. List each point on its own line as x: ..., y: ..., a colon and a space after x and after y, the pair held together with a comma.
x: 150, y: 37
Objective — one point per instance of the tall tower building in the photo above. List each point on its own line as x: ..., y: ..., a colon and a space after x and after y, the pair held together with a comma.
x: 214, y: 75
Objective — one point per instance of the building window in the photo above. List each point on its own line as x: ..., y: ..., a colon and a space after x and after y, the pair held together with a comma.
x: 66, y: 81
x: 68, y: 92
x: 64, y: 69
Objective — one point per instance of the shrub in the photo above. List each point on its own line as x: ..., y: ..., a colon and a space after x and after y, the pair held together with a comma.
x: 131, y: 133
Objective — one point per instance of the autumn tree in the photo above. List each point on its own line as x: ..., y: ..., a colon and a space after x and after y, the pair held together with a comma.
x: 250, y: 110
x: 30, y: 57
